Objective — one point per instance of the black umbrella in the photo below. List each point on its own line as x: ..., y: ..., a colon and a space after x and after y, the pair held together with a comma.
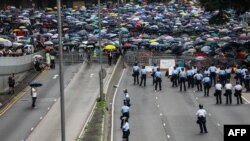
x: 35, y: 84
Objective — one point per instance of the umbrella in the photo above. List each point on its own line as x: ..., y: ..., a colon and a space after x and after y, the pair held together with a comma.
x: 35, y: 84
x: 109, y: 47
x: 5, y: 42
x: 37, y: 56
x: 47, y: 43
x: 22, y: 27
x: 200, y: 58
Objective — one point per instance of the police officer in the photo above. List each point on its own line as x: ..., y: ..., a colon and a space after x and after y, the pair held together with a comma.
x: 247, y: 81
x: 125, y: 111
x: 158, y: 79
x: 238, y: 74
x: 222, y: 76
x: 243, y: 73
x: 218, y: 92
x: 136, y: 73
x: 126, y: 98
x: 206, y: 82
x: 125, y: 130
x: 207, y: 73
x: 190, y: 78
x: 154, y: 70
x: 201, y: 118
x: 143, y: 76
x: 198, y: 78
x: 175, y: 73
x: 183, y: 77
x: 212, y: 70
x: 228, y: 92
x: 228, y: 71
x: 237, y: 93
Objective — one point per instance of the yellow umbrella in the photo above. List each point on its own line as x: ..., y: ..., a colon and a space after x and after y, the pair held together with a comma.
x: 153, y: 40
x: 49, y: 9
x: 15, y: 30
x: 110, y: 47
x: 2, y: 39
x: 22, y: 27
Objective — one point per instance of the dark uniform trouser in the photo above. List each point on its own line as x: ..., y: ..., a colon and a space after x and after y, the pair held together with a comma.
x: 125, y: 135
x: 136, y: 78
x: 202, y: 124
x: 158, y: 82
x: 229, y: 96
x: 213, y: 77
x: 143, y: 78
x: 238, y: 96
x: 228, y: 76
x: 218, y: 96
x: 182, y: 82
x: 206, y: 89
x: 153, y: 75
x: 174, y: 80
x: 222, y: 79
x: 33, y: 102
x: 246, y: 82
x: 199, y: 85
x: 237, y: 77
x: 190, y: 80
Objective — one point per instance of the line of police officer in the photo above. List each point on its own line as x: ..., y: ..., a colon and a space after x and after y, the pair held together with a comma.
x: 208, y: 78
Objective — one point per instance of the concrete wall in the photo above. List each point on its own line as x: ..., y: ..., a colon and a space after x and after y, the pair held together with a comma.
x: 18, y: 65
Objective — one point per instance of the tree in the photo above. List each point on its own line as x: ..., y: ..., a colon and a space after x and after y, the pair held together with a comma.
x: 220, y: 8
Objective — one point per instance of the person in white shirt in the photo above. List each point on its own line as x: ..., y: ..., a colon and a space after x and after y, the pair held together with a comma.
x: 136, y: 73
x: 33, y: 96
x: 228, y: 92
x: 126, y: 99
x: 218, y: 91
x: 237, y: 93
x: 143, y: 76
x: 198, y: 78
x: 201, y: 118
x: 125, y: 130
x: 212, y: 70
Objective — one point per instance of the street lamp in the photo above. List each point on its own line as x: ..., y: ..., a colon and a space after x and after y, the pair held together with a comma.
x: 59, y: 24
x: 100, y: 56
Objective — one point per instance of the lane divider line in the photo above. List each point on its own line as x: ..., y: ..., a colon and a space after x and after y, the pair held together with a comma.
x: 113, y: 107
x: 245, y: 99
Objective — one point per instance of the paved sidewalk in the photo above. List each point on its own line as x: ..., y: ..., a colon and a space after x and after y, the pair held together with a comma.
x: 80, y: 96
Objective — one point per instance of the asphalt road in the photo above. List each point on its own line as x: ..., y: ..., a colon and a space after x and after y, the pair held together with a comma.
x: 19, y: 121
x: 169, y: 115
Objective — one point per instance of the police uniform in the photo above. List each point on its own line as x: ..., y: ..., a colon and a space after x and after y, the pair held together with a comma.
x: 228, y: 93
x: 136, y: 74
x: 228, y: 73
x: 206, y: 82
x: 212, y: 70
x: 198, y: 79
x: 247, y: 81
x: 222, y: 77
x: 218, y: 92
x: 183, y: 77
x: 238, y: 74
x: 175, y: 73
x: 201, y: 119
x: 158, y: 79
x: 237, y: 94
x: 126, y: 131
x: 190, y: 78
x: 143, y: 76
x: 154, y: 70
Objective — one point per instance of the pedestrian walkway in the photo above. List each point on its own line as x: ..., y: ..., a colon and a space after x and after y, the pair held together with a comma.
x: 80, y: 96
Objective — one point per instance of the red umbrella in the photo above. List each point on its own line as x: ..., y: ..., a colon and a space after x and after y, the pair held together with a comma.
x: 243, y: 37
x: 201, y: 54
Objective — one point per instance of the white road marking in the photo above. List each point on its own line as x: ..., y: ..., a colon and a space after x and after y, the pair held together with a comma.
x: 156, y: 97
x: 164, y: 124
x: 48, y: 108
x: 32, y: 129
x: 245, y: 99
x: 158, y: 106
x: 196, y: 98
x: 91, y: 75
x: 54, y: 99
x: 55, y: 76
x: 168, y: 136
x: 218, y: 124
x: 113, y: 107
x: 41, y: 118
x: 160, y: 114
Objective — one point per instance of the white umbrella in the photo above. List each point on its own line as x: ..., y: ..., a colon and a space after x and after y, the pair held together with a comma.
x: 5, y: 42
x: 200, y: 58
x: 47, y: 43
x: 37, y: 56
x: 154, y: 43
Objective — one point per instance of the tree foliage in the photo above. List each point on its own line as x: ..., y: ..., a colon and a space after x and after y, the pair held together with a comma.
x: 222, y: 16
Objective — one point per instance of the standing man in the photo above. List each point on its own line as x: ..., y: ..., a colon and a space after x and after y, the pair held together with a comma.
x: 183, y: 77
x: 126, y: 98
x: 218, y: 92
x: 238, y: 74
x: 201, y: 118
x: 125, y: 111
x: 247, y: 81
x: 110, y: 58
x: 158, y: 79
x: 52, y: 59
x: 11, y: 82
x: 207, y: 73
x: 206, y: 82
x: 136, y: 73
x: 190, y: 78
x: 222, y: 76
x: 228, y: 93
x: 154, y: 70
x: 237, y: 93
x: 212, y: 70
x: 143, y: 75
x: 175, y: 73
x: 198, y: 78
x: 244, y: 71
x: 228, y: 71
x: 33, y: 96
x: 125, y: 130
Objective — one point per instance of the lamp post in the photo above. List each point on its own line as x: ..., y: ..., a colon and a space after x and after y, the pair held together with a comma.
x: 100, y: 56
x: 59, y: 22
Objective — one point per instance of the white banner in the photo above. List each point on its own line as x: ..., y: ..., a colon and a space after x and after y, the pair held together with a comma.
x: 167, y: 63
